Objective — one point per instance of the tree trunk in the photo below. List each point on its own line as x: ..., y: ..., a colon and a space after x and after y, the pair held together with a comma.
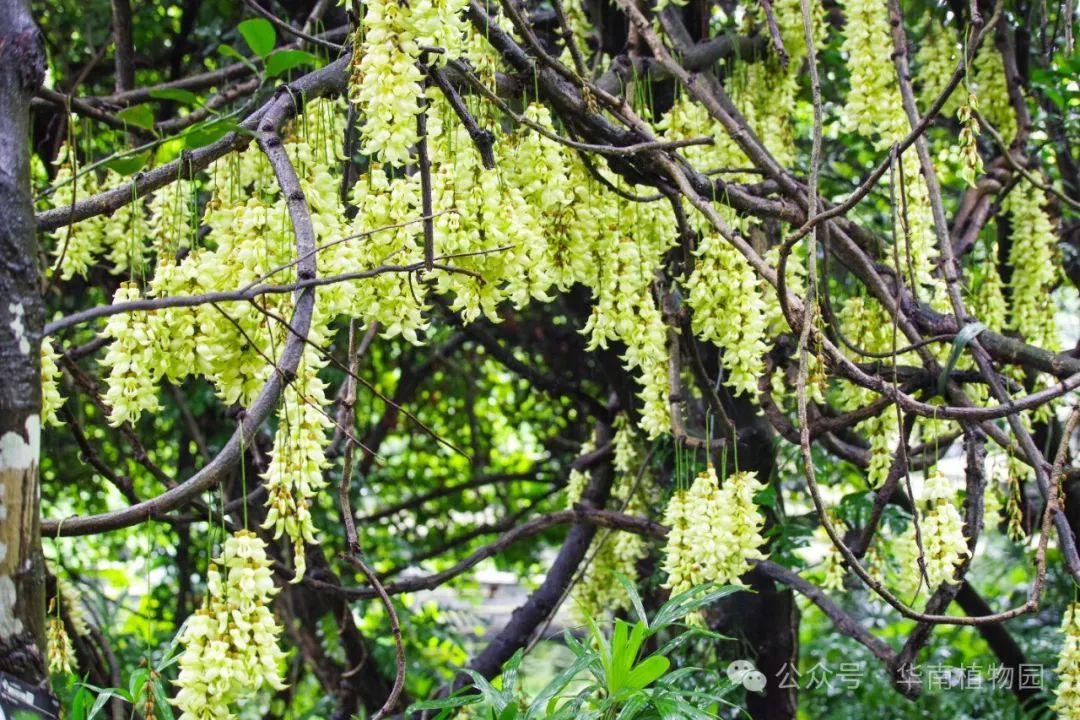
x: 22, y: 576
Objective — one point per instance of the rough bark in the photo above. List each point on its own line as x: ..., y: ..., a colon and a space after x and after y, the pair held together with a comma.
x: 22, y: 576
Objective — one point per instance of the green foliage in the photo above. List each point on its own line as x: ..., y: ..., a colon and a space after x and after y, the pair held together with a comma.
x: 610, y: 677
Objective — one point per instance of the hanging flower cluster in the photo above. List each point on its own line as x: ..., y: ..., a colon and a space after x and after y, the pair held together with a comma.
x: 230, y: 643
x: 626, y: 453
x: 78, y: 246
x: 941, y: 530
x: 873, y: 106
x: 387, y: 83
x: 988, y: 290
x: 867, y: 325
x: 61, y: 654
x: 765, y: 92
x: 51, y: 400
x: 295, y: 475
x: 971, y: 162
x: 989, y: 83
x: 715, y: 532
x: 1067, y: 704
x: 1033, y: 257
x: 935, y: 61
x: 726, y: 296
x: 874, y: 110
x: 131, y: 386
x: 72, y: 603
x: 613, y: 553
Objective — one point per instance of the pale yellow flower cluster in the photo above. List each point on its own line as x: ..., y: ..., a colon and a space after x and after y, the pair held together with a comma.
x: 626, y: 454
x: 51, y: 400
x: 76, y: 248
x: 614, y: 553
x: 61, y: 654
x: 727, y: 298
x: 873, y: 106
x: 72, y: 604
x: 295, y: 475
x: 989, y: 83
x: 230, y: 643
x: 1033, y: 257
x: 942, y: 533
x: 119, y: 238
x: 1067, y: 704
x: 935, y: 60
x: 131, y: 385
x: 867, y: 325
x: 386, y: 82
x: 715, y: 532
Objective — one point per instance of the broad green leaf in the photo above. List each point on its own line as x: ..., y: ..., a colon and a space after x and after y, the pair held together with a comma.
x: 141, y: 116
x: 647, y: 672
x: 632, y: 707
x: 230, y: 51
x: 259, y: 34
x: 281, y: 61
x: 687, y: 602
x: 207, y: 133
x: 78, y: 704
x: 510, y: 670
x: 129, y: 164
x: 177, y: 95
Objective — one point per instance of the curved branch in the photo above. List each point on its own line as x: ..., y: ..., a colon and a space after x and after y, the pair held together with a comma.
x: 273, y: 116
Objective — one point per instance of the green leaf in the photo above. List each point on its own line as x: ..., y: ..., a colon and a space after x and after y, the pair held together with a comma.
x: 967, y: 333
x: 635, y: 599
x: 137, y: 681
x: 443, y: 703
x: 229, y: 51
x: 647, y: 672
x: 161, y: 702
x: 259, y: 34
x: 510, y: 670
x: 206, y: 133
x: 78, y: 704
x: 539, y: 706
x: 492, y: 696
x: 687, y: 602
x: 138, y: 115
x: 281, y: 61
x: 129, y: 164
x: 99, y: 704
x: 185, y: 97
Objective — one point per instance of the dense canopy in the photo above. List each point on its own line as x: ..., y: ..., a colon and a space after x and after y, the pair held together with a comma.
x: 354, y: 351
